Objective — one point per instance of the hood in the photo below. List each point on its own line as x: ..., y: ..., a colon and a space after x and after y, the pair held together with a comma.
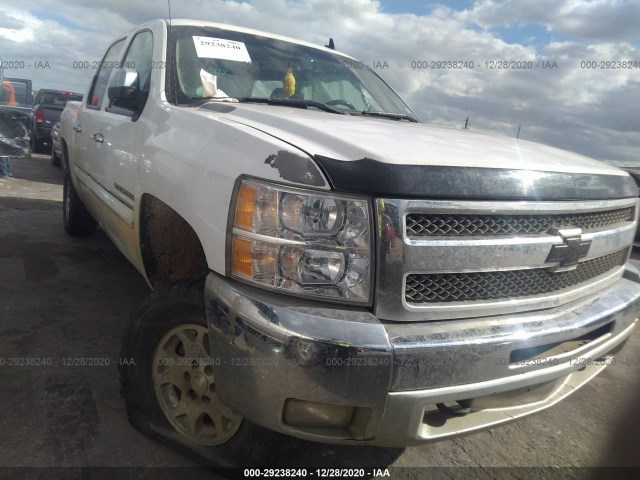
x: 397, y: 159
x: 348, y: 138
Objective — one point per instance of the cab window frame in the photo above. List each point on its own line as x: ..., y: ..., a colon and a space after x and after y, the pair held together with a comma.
x: 119, y: 110
x: 96, y: 77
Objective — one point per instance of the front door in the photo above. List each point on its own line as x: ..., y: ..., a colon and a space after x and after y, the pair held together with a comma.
x: 119, y: 136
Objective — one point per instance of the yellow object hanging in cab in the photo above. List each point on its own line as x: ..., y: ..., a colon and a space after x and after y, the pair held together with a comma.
x: 288, y: 84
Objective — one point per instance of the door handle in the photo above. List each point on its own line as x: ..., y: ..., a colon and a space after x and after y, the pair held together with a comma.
x: 77, y: 128
x: 98, y: 137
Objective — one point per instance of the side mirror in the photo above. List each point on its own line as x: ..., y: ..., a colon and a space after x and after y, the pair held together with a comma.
x: 124, y: 88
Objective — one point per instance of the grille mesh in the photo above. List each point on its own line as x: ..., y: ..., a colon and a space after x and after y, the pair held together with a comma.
x: 424, y: 224
x: 479, y: 286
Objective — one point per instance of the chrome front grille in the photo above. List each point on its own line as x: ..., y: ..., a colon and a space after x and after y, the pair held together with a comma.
x: 441, y: 259
x: 427, y: 224
x: 512, y: 284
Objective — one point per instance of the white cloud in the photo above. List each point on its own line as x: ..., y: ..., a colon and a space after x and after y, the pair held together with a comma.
x: 17, y: 26
x: 586, y: 110
x: 589, y: 19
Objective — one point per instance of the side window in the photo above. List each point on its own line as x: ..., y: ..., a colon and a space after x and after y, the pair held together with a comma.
x: 94, y: 100
x: 140, y: 57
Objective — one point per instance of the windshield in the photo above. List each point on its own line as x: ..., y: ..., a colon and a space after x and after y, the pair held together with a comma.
x: 216, y: 63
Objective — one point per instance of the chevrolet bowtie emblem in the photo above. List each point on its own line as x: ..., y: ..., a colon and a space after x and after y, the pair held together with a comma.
x: 568, y: 253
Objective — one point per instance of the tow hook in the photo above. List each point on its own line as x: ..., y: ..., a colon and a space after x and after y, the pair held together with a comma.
x: 460, y: 410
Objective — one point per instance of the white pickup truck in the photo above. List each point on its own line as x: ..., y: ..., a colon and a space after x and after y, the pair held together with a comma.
x: 324, y: 264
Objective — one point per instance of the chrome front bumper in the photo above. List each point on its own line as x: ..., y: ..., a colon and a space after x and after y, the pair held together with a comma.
x: 274, y: 355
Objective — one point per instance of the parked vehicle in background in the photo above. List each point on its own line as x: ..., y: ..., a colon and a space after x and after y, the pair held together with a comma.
x: 23, y: 93
x: 22, y: 108
x: 370, y: 280
x: 47, y: 108
x: 15, y: 116
x: 55, y: 144
x: 69, y: 115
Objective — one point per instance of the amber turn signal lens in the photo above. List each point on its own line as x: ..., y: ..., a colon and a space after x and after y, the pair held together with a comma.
x: 245, y: 206
x: 241, y: 257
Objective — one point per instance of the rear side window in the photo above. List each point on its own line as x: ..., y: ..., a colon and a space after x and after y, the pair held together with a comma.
x: 109, y: 62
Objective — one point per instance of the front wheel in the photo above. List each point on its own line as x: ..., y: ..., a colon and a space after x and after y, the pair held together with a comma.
x: 183, y: 383
x: 169, y: 387
x: 77, y: 221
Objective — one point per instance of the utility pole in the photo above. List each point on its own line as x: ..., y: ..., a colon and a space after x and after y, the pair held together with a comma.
x: 518, y: 135
x: 466, y: 124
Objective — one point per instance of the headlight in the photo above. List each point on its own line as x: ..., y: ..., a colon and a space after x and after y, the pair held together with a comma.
x: 307, y: 243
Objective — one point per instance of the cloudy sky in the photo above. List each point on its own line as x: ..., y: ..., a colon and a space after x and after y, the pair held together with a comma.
x: 570, y: 104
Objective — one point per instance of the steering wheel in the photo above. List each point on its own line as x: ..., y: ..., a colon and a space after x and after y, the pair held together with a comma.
x: 339, y: 101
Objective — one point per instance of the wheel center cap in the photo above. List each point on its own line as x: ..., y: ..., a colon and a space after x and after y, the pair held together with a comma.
x: 199, y: 382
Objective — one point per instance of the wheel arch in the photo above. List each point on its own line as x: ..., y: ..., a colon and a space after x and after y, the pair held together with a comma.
x: 170, y: 248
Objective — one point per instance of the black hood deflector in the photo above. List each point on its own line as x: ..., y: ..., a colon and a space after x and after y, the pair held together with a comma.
x: 392, y: 180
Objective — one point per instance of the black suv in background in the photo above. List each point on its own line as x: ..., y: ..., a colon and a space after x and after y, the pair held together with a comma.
x: 47, y: 108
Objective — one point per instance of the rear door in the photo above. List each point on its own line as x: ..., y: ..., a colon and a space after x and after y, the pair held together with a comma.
x: 87, y: 149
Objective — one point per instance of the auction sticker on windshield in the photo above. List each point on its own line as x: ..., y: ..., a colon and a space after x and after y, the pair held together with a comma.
x: 221, y: 48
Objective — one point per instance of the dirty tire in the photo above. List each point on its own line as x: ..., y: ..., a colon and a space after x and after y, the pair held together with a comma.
x: 177, y: 306
x: 78, y: 222
x: 55, y: 159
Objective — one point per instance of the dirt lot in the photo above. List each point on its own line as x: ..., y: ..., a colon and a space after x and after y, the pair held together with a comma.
x: 63, y: 299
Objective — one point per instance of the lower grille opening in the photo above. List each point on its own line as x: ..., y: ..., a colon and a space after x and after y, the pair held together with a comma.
x: 497, y: 285
x: 554, y: 349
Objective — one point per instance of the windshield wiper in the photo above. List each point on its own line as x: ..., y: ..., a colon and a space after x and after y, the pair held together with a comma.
x: 391, y: 115
x: 292, y: 102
